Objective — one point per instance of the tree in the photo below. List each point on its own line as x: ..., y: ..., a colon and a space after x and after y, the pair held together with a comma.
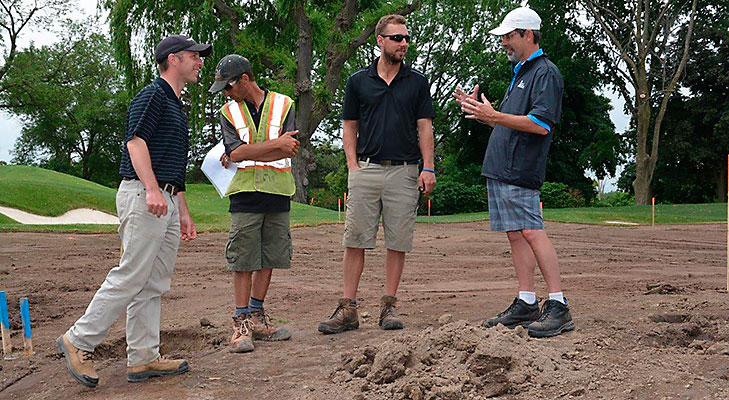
x: 16, y: 16
x: 644, y: 63
x: 585, y: 138
x: 692, y: 167
x: 70, y: 99
x: 295, y: 46
x: 450, y: 45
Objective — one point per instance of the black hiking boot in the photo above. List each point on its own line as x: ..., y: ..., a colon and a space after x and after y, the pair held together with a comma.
x: 555, y: 319
x: 518, y: 313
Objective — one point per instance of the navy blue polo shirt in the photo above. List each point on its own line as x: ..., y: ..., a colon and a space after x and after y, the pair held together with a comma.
x: 387, y: 115
x: 516, y: 157
x: 155, y: 115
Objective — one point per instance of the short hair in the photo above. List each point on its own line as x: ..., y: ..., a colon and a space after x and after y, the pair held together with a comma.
x: 164, y: 65
x: 396, y: 19
x: 537, y: 35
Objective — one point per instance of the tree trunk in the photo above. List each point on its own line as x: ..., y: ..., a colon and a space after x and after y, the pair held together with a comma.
x: 303, y: 163
x: 644, y: 165
x: 721, y: 185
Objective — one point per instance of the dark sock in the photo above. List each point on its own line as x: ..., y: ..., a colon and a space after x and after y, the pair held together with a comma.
x: 242, y: 310
x: 255, y: 305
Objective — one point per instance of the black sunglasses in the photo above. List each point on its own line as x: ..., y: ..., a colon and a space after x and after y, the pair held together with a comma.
x: 398, y: 38
x: 230, y: 84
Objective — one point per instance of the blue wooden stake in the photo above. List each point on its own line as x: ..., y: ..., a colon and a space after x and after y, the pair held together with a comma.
x: 5, y: 325
x: 27, y: 334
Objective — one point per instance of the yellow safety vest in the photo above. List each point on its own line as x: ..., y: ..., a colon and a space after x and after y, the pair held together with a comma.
x: 273, y: 177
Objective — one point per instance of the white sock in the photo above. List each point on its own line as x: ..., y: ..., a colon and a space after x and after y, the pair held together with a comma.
x: 528, y: 297
x: 557, y: 296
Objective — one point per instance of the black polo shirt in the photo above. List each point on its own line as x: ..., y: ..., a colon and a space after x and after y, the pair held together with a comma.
x: 387, y: 115
x: 520, y: 158
x: 255, y: 202
x: 155, y: 115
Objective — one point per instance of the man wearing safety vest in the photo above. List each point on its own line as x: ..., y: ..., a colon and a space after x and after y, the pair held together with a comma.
x: 258, y: 134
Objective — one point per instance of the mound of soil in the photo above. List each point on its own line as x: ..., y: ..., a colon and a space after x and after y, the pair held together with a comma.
x: 456, y: 361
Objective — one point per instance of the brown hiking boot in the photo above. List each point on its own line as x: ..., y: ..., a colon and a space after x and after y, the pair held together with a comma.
x: 388, y: 320
x: 80, y: 363
x: 159, y: 367
x: 263, y: 328
x: 344, y: 318
x: 242, y: 339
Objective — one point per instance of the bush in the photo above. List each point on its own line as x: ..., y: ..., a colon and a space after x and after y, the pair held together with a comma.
x: 454, y: 197
x: 615, y: 199
x: 559, y: 195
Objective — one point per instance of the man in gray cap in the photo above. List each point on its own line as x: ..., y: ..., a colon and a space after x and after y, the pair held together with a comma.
x: 258, y: 134
x: 153, y: 217
x: 514, y: 165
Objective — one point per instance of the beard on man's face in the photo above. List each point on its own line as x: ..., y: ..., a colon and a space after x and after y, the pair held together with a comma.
x: 395, y: 57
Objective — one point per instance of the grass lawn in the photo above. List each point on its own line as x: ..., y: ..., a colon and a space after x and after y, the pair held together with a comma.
x: 45, y: 192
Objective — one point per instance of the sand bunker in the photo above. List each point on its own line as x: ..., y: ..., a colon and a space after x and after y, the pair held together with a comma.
x: 77, y: 216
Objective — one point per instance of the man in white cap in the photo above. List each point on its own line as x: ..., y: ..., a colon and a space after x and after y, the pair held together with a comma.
x: 153, y: 217
x: 514, y: 166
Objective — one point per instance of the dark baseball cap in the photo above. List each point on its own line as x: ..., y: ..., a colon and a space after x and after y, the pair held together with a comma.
x: 229, y: 67
x: 175, y: 43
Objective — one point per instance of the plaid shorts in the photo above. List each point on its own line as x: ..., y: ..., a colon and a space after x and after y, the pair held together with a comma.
x: 513, y: 208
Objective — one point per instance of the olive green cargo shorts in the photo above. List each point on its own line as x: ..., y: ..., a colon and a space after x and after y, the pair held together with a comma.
x: 390, y: 191
x: 258, y: 241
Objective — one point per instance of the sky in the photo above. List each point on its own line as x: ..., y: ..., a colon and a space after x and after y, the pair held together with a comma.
x: 10, y: 127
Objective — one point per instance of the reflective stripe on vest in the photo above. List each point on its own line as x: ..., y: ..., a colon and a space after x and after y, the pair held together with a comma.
x: 273, y: 177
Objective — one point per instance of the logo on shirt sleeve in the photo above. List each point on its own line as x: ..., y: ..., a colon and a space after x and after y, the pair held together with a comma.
x: 521, y: 84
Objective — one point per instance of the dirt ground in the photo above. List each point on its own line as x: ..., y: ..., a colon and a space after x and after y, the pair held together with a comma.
x: 649, y: 305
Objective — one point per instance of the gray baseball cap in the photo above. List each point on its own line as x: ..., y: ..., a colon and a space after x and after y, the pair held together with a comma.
x: 229, y: 67
x: 176, y: 43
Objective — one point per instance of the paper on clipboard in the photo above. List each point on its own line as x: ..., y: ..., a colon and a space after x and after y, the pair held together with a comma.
x: 220, y: 177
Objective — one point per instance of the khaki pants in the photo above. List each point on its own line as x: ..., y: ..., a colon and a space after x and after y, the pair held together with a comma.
x: 390, y: 191
x: 137, y: 284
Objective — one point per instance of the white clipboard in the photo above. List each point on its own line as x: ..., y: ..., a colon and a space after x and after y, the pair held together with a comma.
x: 220, y: 177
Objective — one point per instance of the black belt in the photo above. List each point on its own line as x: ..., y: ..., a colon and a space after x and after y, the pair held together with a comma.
x: 388, y: 162
x: 165, y: 186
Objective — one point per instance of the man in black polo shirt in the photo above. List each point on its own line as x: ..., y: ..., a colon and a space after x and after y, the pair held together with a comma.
x: 514, y: 165
x: 153, y: 218
x: 387, y: 128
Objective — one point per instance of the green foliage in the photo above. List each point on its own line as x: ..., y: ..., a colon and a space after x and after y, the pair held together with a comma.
x: 692, y: 166
x: 69, y: 98
x: 451, y: 197
x: 615, y: 199
x: 584, y: 138
x: 559, y: 195
x: 328, y: 193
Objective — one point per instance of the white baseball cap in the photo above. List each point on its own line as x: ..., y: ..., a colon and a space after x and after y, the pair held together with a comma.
x: 520, y: 18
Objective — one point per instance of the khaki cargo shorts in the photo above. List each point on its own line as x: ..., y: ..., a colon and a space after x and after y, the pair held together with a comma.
x: 258, y: 241
x: 390, y: 191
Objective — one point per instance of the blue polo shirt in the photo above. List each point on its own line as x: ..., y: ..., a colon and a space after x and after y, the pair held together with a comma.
x: 516, y: 157
x: 156, y: 116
